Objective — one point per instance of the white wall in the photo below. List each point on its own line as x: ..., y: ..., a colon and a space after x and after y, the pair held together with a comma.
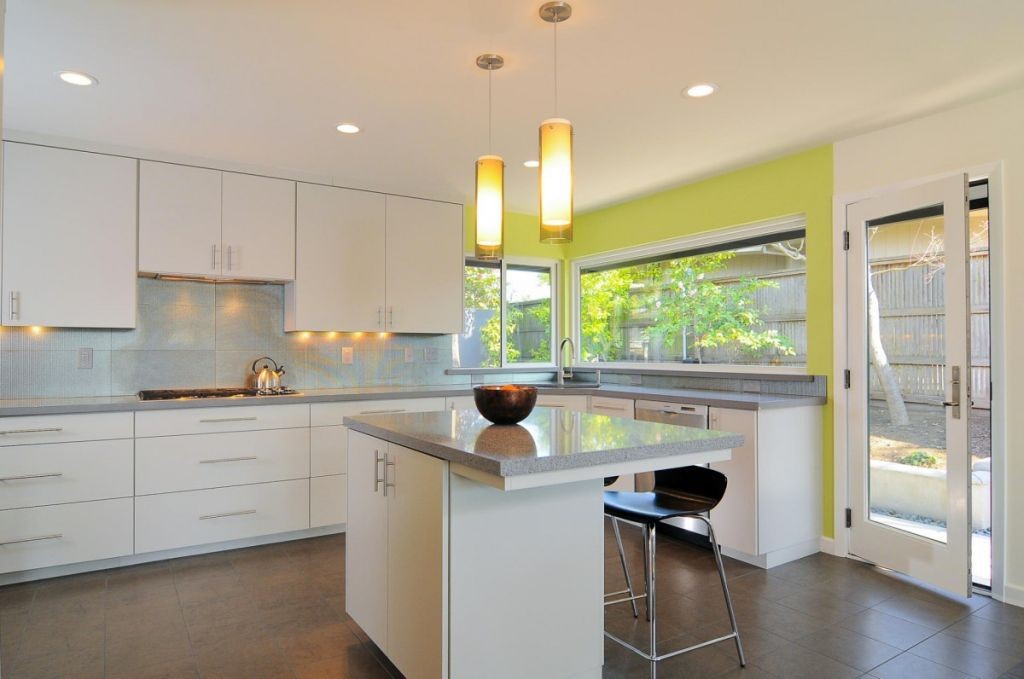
x: 971, y: 136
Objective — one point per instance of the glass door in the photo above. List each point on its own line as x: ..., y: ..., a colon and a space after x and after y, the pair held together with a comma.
x: 910, y: 363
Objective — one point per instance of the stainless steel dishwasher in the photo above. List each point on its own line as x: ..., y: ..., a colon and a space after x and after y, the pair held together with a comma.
x: 683, y: 415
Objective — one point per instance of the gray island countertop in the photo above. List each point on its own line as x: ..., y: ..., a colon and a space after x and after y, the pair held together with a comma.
x: 549, y: 440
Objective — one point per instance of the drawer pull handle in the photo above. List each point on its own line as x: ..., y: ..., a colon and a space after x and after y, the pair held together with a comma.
x: 598, y: 406
x: 35, y: 539
x: 227, y: 514
x: 228, y: 419
x: 51, y: 475
x: 381, y: 412
x: 229, y: 459
x: 31, y: 431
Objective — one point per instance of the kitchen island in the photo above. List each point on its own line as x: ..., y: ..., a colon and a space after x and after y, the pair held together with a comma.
x: 475, y: 550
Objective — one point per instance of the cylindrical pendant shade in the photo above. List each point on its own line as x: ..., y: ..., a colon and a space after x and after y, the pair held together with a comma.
x: 490, y: 206
x: 556, y: 181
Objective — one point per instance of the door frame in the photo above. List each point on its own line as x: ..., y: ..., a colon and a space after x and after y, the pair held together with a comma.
x: 840, y: 396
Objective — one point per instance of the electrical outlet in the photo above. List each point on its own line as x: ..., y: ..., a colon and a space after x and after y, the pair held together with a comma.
x: 346, y: 355
x: 85, y: 358
x: 409, y: 358
x: 430, y: 354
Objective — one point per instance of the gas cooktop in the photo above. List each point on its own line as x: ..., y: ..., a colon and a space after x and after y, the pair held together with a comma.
x: 230, y: 392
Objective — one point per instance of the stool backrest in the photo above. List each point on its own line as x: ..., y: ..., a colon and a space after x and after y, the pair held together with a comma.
x: 692, y: 482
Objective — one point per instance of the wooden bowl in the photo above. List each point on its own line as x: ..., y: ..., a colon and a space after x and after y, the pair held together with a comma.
x: 505, y: 403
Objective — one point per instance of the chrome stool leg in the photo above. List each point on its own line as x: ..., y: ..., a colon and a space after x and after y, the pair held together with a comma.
x: 650, y: 537
x: 625, y: 570
x: 725, y: 590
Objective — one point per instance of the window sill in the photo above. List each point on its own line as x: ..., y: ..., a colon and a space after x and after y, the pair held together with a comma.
x: 757, y: 372
x: 526, y: 368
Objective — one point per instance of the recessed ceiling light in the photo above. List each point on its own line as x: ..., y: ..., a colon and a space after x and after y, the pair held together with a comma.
x: 531, y: 163
x: 700, y: 90
x: 348, y: 128
x: 77, y: 78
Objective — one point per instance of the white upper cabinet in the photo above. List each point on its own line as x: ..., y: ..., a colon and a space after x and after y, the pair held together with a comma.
x: 179, y: 219
x: 339, y: 274
x: 199, y: 222
x: 424, y: 266
x: 69, y: 238
x: 258, y: 227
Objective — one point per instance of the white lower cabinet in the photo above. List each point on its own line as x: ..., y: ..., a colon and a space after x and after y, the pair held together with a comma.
x: 460, y: 403
x: 571, y: 402
x: 167, y: 464
x: 198, y: 517
x: 56, y: 535
x: 56, y: 473
x: 616, y: 407
x: 328, y: 500
x: 398, y: 522
x: 771, y: 512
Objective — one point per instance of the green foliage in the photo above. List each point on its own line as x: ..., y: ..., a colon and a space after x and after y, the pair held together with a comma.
x: 919, y: 458
x: 674, y: 301
x: 483, y: 291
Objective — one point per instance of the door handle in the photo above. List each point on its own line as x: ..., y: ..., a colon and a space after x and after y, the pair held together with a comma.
x: 377, y: 480
x: 243, y: 512
x: 213, y: 420
x: 229, y: 258
x: 954, y: 384
x: 229, y: 459
x: 15, y: 306
x: 26, y: 477
x: 213, y: 256
x: 391, y: 316
x: 56, y: 536
x: 31, y: 431
x: 380, y: 316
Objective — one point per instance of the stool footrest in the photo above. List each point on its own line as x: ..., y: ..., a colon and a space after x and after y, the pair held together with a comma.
x: 648, y: 656
x: 625, y: 600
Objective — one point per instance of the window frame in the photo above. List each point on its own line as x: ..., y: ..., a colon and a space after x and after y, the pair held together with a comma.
x: 554, y: 266
x: 624, y: 256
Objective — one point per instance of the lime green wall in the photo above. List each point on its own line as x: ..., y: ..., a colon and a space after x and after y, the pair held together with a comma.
x: 800, y: 183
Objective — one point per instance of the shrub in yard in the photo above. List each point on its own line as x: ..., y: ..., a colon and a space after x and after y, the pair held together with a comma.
x: 919, y: 458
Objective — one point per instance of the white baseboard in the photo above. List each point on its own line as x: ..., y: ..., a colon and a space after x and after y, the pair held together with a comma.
x: 828, y: 546
x: 134, y: 559
x: 775, y: 558
x: 1013, y: 594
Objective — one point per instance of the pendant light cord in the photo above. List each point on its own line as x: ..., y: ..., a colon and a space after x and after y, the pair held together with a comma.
x: 490, y: 72
x: 556, y: 68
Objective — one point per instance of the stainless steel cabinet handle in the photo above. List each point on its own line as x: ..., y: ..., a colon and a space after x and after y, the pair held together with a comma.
x: 227, y: 419
x: 31, y: 431
x: 229, y: 459
x: 391, y: 316
x: 388, y: 462
x: 25, y: 477
x: 377, y: 480
x: 243, y: 512
x: 229, y: 258
x: 380, y: 412
x: 380, y: 316
x: 598, y: 406
x: 213, y: 256
x: 55, y: 536
x: 15, y: 306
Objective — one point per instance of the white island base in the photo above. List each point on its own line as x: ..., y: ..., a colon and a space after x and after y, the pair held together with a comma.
x: 454, y: 576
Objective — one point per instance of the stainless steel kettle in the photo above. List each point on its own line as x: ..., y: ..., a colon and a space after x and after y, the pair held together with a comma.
x: 267, y: 381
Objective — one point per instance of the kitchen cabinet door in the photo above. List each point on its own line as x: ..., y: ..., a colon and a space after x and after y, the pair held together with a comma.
x: 258, y: 227
x: 417, y: 562
x: 576, y: 404
x: 736, y: 516
x: 366, y: 584
x: 69, y: 238
x: 179, y: 219
x: 339, y: 268
x: 424, y: 266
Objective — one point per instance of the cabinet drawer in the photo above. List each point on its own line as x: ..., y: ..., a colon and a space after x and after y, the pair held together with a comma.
x: 328, y: 500
x: 577, y: 403
x: 172, y: 463
x: 210, y: 420
x: 328, y: 450
x: 64, y: 428
x: 619, y: 407
x: 322, y: 414
x: 200, y: 517
x: 62, y: 534
x: 54, y: 473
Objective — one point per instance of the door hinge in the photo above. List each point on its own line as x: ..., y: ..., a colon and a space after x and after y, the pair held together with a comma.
x: 846, y: 240
x: 846, y: 379
x: 849, y: 518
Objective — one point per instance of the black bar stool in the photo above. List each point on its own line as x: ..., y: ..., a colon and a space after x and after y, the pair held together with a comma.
x: 686, y: 491
x: 609, y: 480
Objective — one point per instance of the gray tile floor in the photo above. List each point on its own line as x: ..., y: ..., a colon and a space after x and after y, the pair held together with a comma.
x: 278, y: 611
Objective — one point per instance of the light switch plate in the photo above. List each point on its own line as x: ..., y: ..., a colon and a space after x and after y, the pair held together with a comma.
x: 346, y: 355
x: 85, y: 358
x: 430, y: 354
x: 409, y: 358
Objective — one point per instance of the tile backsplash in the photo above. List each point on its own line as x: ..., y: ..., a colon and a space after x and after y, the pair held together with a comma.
x: 191, y: 334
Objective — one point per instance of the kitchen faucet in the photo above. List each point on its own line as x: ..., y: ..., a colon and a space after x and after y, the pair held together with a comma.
x: 561, y: 355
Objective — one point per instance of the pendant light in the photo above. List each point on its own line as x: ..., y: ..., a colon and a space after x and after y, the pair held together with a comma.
x: 556, y: 153
x: 490, y: 182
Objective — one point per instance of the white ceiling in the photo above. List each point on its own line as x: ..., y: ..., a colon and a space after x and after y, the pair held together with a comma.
x: 263, y: 82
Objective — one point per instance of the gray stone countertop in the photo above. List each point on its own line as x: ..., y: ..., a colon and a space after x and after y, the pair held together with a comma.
x: 550, y: 439
x: 725, y: 399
